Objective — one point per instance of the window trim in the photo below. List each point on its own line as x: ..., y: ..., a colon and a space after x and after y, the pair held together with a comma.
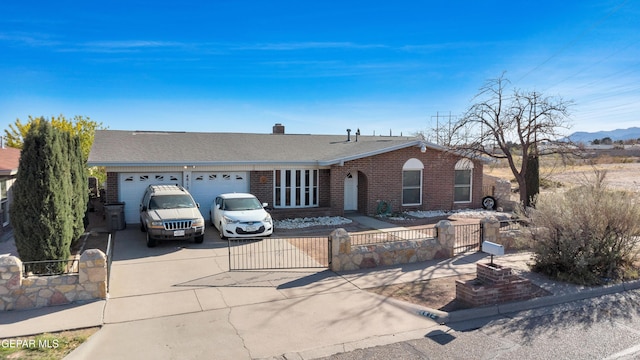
x: 293, y: 188
x: 463, y: 165
x: 412, y: 164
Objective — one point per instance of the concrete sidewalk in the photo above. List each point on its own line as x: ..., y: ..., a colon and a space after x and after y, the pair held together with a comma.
x: 196, y: 308
x: 19, y: 323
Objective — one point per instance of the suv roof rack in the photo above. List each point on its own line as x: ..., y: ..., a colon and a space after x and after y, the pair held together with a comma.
x: 156, y: 188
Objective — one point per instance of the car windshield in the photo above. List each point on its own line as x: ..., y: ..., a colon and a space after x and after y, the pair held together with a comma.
x: 242, y: 204
x: 171, y: 202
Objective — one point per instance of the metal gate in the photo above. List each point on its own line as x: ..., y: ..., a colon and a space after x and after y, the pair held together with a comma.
x: 279, y: 253
x: 468, y: 238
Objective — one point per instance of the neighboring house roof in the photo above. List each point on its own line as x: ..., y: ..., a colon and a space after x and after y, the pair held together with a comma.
x: 145, y: 148
x: 9, y: 161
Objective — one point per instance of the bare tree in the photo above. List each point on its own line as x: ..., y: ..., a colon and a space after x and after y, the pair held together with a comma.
x: 505, y: 124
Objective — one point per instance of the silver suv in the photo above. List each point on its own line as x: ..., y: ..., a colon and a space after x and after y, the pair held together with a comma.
x: 168, y: 212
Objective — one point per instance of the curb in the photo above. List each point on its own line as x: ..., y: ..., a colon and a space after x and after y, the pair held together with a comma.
x: 443, y: 317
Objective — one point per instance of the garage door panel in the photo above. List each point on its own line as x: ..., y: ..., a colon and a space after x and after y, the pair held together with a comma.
x: 205, y: 186
x: 132, y: 185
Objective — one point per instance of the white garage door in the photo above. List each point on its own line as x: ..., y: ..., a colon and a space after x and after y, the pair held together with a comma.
x: 205, y: 186
x: 132, y: 186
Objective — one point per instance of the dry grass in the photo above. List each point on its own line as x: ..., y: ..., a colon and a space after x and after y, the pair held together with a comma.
x: 622, y: 172
x: 437, y: 294
x: 45, y: 346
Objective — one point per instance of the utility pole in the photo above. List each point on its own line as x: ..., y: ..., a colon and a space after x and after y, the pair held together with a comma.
x: 441, y: 139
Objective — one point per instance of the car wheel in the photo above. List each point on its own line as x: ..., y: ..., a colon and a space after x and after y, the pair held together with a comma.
x: 489, y: 203
x: 211, y: 218
x: 151, y: 242
x: 199, y: 239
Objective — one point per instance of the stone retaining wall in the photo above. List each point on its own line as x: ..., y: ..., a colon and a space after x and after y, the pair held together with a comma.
x: 18, y: 292
x: 502, y: 194
x: 492, y: 232
x: 347, y: 257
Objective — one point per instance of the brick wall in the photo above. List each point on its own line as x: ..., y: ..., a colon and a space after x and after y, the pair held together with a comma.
x: 261, y: 185
x: 324, y: 188
x: 380, y: 179
x: 494, y: 285
x: 363, y: 202
x: 291, y: 213
x: 112, y: 187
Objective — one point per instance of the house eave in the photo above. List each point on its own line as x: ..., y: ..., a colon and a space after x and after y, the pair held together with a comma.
x: 342, y: 160
x: 187, y: 163
x: 10, y: 172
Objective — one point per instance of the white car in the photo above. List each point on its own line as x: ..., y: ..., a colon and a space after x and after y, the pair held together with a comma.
x: 239, y: 215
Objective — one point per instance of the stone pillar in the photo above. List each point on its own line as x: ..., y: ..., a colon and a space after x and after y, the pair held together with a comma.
x: 93, y: 274
x: 340, y: 249
x: 446, y: 236
x: 10, y: 281
x: 490, y: 229
x: 502, y: 194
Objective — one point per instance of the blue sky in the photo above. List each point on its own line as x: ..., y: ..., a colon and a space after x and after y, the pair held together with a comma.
x: 315, y: 66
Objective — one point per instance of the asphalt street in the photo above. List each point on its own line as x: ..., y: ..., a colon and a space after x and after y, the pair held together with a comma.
x: 606, y: 327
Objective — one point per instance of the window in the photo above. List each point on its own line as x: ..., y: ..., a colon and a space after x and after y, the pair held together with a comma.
x: 412, y: 182
x: 463, y: 180
x: 295, y: 188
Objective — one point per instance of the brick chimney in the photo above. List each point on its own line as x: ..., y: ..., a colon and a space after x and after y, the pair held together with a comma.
x: 278, y: 128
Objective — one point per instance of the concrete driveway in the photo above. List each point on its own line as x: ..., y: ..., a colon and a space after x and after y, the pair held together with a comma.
x: 179, y: 300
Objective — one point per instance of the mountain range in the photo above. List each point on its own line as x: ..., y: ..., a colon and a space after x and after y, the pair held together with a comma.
x: 614, y: 135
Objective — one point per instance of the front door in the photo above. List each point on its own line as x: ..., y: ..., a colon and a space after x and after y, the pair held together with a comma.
x: 351, y: 192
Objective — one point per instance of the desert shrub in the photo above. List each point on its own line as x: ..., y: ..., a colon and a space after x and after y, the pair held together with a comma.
x: 547, y: 183
x: 588, y: 235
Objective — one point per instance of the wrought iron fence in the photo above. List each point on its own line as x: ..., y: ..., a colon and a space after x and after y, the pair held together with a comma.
x: 279, y: 253
x: 468, y: 237
x: 50, y: 267
x: 109, y: 260
x: 378, y: 237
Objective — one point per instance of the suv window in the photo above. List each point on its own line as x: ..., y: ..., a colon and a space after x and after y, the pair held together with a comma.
x: 171, y: 202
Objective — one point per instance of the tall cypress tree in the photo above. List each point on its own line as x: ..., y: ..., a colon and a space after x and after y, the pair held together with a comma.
x: 532, y: 178
x: 79, y: 182
x: 41, y: 210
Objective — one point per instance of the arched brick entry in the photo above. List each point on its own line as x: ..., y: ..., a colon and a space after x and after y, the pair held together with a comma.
x: 363, y: 193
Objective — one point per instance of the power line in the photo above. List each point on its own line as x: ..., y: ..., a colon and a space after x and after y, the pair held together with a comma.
x: 632, y: 67
x: 575, y: 40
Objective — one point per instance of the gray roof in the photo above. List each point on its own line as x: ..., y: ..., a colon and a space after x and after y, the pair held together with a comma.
x: 145, y: 148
